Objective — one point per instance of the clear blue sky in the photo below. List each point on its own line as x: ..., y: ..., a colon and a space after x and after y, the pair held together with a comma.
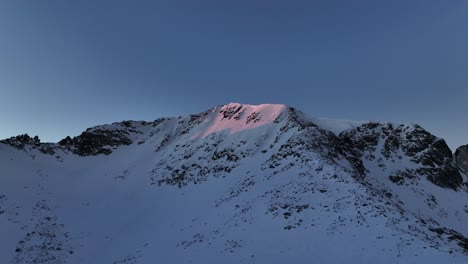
x: 69, y: 65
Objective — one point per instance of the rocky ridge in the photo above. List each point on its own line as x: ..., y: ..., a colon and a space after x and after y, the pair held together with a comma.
x: 276, y: 161
x: 461, y: 157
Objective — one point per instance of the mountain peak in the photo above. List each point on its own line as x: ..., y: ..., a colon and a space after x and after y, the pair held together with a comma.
x: 228, y: 179
x: 259, y: 107
x: 236, y: 117
x: 239, y: 111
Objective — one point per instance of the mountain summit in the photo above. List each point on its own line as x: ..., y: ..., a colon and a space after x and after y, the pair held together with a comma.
x: 236, y: 183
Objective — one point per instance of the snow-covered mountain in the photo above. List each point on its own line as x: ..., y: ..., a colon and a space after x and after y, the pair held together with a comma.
x: 235, y: 184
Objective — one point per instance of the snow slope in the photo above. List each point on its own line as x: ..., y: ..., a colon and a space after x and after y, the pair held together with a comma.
x: 234, y: 184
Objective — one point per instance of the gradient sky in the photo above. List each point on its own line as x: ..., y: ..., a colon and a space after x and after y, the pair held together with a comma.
x: 69, y: 65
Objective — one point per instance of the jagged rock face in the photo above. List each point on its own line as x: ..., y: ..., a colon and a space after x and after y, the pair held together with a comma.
x: 22, y: 141
x: 383, y: 143
x: 461, y: 157
x: 216, y: 154
x: 377, y: 142
x: 287, y: 135
x: 208, y: 181
x: 103, y: 139
x: 91, y: 143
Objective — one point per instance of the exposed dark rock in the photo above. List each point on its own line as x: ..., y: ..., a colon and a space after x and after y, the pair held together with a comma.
x: 225, y: 153
x: 21, y: 141
x: 452, y: 235
x: 47, y: 148
x: 420, y: 146
x: 254, y: 118
x: 103, y: 139
x: 66, y: 141
x: 294, y: 119
x: 96, y: 142
x: 229, y: 112
x: 461, y: 158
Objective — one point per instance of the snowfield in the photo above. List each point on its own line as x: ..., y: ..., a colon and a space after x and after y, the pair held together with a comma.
x: 234, y: 184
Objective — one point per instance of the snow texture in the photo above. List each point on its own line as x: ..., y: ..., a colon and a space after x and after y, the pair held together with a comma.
x: 234, y: 184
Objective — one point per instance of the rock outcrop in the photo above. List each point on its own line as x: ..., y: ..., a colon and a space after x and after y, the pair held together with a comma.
x: 461, y: 157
